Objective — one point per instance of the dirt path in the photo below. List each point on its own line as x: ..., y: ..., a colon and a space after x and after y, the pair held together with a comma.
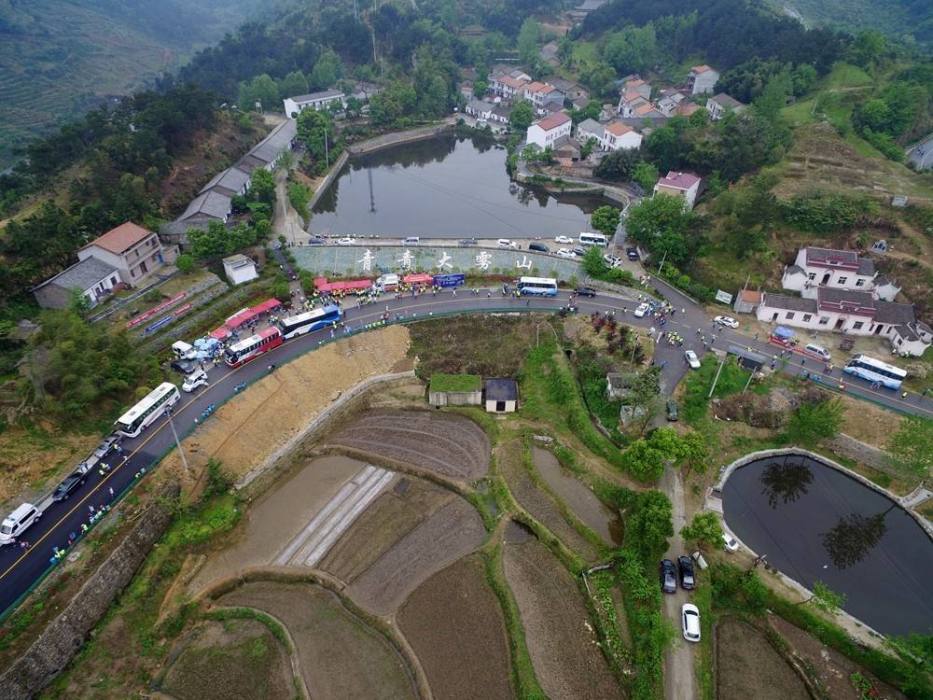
x: 287, y: 222
x: 679, y: 677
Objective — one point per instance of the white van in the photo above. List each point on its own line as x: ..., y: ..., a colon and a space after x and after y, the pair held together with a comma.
x: 183, y: 350
x: 17, y: 522
x: 387, y: 283
x: 412, y: 240
x: 818, y: 350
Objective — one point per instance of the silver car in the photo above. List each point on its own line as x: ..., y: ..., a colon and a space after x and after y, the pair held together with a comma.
x: 690, y: 622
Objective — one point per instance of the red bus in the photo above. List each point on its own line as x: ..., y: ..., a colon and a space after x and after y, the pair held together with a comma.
x: 249, y: 349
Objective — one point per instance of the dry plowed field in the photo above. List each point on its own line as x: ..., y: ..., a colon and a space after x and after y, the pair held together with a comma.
x: 390, y: 517
x: 449, y: 533
x: 537, y: 502
x: 454, y: 623
x: 448, y: 445
x: 562, y: 644
x: 341, y: 657
x: 236, y: 658
x: 747, y: 666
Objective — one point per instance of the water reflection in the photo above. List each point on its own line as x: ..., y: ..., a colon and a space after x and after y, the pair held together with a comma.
x: 853, y: 537
x: 785, y: 481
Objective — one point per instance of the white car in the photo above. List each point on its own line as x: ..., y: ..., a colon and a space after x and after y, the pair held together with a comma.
x: 506, y: 243
x: 565, y: 253
x: 194, y: 380
x: 729, y: 542
x: 612, y: 260
x: 346, y: 240
x: 690, y: 622
x: 641, y: 310
x: 726, y: 321
x: 563, y: 240
x: 692, y: 359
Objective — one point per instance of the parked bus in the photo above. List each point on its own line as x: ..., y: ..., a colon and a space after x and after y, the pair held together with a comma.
x: 143, y: 414
x: 589, y: 238
x: 293, y: 326
x: 537, y: 286
x: 252, y: 347
x: 875, y: 371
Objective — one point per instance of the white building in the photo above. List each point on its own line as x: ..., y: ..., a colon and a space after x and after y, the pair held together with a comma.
x: 617, y: 136
x: 702, y: 79
x: 480, y: 109
x: 590, y: 129
x: 721, y: 105
x: 544, y: 132
x: 315, y: 100
x: 855, y: 313
x: 685, y: 185
x: 501, y: 395
x: 836, y: 269
x: 240, y: 269
x: 92, y: 278
x: 135, y: 252
x: 540, y: 94
x: 507, y: 86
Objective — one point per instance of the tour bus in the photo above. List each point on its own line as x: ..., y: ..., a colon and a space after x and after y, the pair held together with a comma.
x: 537, y: 286
x: 588, y: 238
x: 293, y: 326
x: 875, y: 371
x: 143, y: 414
x: 252, y: 347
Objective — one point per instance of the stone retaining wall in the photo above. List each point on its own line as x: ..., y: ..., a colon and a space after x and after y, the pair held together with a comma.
x: 65, y: 635
x: 848, y: 446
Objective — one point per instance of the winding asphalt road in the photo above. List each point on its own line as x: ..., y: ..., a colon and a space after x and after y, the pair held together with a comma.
x: 21, y: 568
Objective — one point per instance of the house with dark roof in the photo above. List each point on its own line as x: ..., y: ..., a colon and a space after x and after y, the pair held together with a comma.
x: 815, y: 268
x: 500, y: 395
x: 720, y: 105
x: 231, y: 182
x: 315, y: 100
x: 134, y: 251
x: 92, y: 278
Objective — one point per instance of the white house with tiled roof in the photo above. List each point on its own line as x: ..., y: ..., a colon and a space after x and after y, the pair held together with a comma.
x: 836, y: 269
x: 702, y: 79
x: 544, y: 132
x: 618, y: 136
x: 134, y: 251
x: 684, y: 185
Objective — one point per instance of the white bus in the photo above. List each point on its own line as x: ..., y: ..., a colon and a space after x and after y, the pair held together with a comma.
x: 293, y: 326
x: 537, y: 286
x: 142, y: 415
x: 875, y: 371
x: 589, y: 238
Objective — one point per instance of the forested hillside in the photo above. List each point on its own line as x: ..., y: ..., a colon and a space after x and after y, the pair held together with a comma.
x: 908, y: 20
x: 59, y: 58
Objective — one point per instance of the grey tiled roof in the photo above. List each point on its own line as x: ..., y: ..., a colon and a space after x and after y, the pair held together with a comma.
x: 314, y: 96
x: 727, y: 101
x: 213, y: 205
x: 232, y: 179
x: 782, y: 301
x: 276, y: 142
x: 866, y: 266
x: 82, y: 275
x: 501, y: 390
x: 894, y: 313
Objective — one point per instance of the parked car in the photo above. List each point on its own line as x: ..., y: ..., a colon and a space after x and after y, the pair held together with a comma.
x: 729, y: 542
x: 565, y: 253
x: 726, y: 321
x: 185, y: 366
x: 346, y: 240
x: 540, y: 247
x: 690, y: 621
x: 194, y: 380
x: 71, y: 484
x: 316, y: 241
x: 632, y: 254
x: 641, y: 310
x: 586, y: 292
x: 563, y: 240
x: 692, y: 360
x: 506, y: 243
x: 612, y: 260
x: 668, y: 576
x: 111, y: 442
x: 579, y: 251
x: 17, y: 522
x: 685, y: 570
x: 672, y: 410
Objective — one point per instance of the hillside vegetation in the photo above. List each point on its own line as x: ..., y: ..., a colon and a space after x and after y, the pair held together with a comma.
x: 59, y: 58
x: 910, y: 20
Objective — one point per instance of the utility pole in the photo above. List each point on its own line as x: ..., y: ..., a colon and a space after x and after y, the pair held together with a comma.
x: 750, y: 375
x: 663, y: 258
x: 181, y: 452
x: 326, y: 150
x: 716, y: 378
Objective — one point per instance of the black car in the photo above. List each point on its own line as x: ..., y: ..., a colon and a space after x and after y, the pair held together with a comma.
x: 71, y: 484
x: 632, y: 254
x: 579, y: 251
x: 672, y: 410
x: 185, y: 367
x: 685, y: 567
x: 586, y: 292
x: 668, y: 575
x: 540, y: 247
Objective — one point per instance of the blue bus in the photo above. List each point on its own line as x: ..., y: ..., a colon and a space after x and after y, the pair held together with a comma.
x: 293, y: 326
x: 873, y: 370
x: 537, y: 286
x: 454, y: 279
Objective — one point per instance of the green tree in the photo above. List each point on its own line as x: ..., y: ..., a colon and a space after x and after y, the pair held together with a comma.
x: 662, y: 224
x: 78, y: 303
x: 694, y: 452
x: 394, y: 103
x: 644, y: 461
x: 593, y: 263
x: 911, y: 447
x: 529, y: 40
x: 649, y: 525
x: 600, y: 78
x: 185, y: 263
x: 314, y: 126
x: 632, y: 50
x: 327, y: 70
x: 293, y: 84
x: 705, y: 528
x: 262, y: 89
x: 812, y: 422
x: 826, y: 599
x: 645, y: 175
x: 618, y: 165
x: 774, y: 97
x: 262, y: 186
x: 521, y: 116
x: 605, y: 219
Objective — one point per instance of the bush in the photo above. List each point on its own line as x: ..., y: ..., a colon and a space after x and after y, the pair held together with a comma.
x: 185, y: 263
x: 812, y: 422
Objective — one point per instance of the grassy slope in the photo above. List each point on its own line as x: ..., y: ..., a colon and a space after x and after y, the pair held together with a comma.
x: 902, y: 19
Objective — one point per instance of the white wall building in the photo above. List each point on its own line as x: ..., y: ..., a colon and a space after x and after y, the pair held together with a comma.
x: 240, y: 269
x: 92, y: 278
x: 617, y: 136
x: 684, y: 185
x: 836, y: 269
x: 315, y: 100
x: 544, y: 132
x: 721, y: 105
x: 702, y: 79
x: 135, y: 252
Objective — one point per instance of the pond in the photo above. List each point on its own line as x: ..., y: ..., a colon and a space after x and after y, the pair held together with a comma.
x: 444, y: 187
x: 815, y: 523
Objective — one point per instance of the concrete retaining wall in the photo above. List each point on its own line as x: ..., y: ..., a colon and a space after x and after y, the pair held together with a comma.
x: 387, y: 140
x: 455, y: 398
x: 65, y: 635
x: 848, y: 446
x: 328, y: 180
